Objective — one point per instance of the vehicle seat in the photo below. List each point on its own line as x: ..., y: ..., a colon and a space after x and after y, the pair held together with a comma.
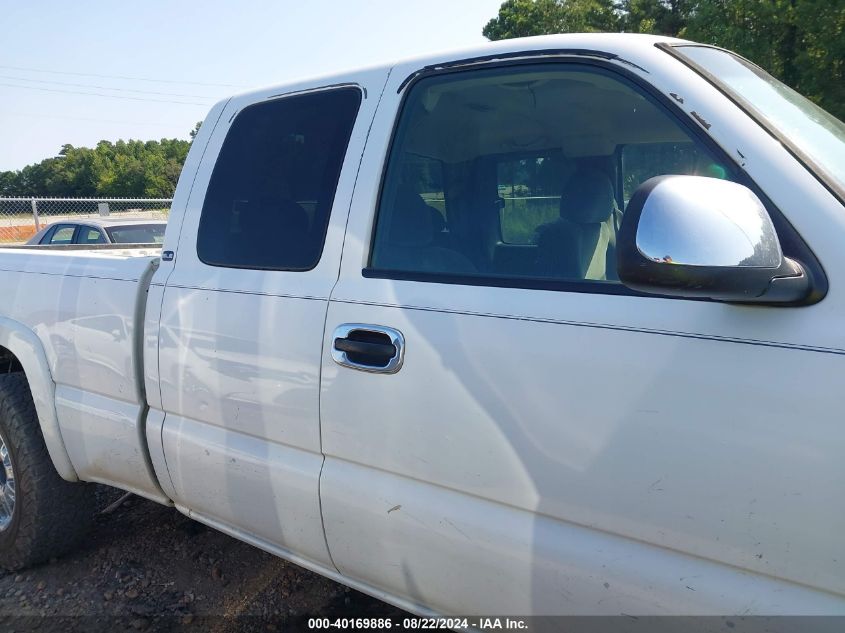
x: 577, y: 245
x: 410, y: 243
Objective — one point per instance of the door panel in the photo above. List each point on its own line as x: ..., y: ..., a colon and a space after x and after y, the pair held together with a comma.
x: 461, y: 554
x: 267, y: 488
x: 245, y: 362
x: 239, y: 381
x: 696, y: 446
x: 557, y: 452
x: 244, y: 306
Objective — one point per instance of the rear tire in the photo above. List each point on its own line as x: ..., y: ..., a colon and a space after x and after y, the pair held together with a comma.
x: 41, y: 514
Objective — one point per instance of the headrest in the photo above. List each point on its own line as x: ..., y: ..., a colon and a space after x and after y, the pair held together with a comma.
x: 411, y: 221
x: 587, y: 198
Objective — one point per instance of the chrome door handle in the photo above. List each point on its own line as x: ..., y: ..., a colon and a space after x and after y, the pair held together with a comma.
x: 372, y: 348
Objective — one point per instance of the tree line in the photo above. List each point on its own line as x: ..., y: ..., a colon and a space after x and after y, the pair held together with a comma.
x: 801, y: 42
x: 125, y: 169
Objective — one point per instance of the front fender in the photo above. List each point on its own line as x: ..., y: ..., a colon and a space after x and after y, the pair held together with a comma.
x: 27, y: 347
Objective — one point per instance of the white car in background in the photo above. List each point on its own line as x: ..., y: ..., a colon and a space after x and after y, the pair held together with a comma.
x: 101, y: 231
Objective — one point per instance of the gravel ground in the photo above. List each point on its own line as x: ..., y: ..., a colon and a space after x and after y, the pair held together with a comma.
x: 148, y: 567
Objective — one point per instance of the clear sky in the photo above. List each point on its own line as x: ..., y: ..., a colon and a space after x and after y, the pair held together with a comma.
x: 197, y: 51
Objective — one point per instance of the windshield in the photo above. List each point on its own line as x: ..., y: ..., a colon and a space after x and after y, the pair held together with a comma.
x: 137, y: 234
x: 809, y: 130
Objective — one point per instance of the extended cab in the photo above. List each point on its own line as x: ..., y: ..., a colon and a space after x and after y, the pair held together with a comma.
x: 550, y: 326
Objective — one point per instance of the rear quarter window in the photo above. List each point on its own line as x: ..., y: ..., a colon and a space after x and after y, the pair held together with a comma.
x: 271, y: 193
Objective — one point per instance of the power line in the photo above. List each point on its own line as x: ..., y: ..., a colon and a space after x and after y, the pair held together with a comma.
x: 160, y: 81
x: 80, y: 118
x: 66, y: 83
x: 97, y: 94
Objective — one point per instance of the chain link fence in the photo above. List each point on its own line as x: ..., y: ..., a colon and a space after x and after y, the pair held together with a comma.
x: 21, y: 218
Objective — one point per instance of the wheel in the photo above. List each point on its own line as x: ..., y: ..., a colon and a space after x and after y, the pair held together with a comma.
x: 41, y: 514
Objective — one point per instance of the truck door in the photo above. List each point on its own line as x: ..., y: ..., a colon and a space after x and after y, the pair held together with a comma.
x: 507, y: 429
x: 244, y: 307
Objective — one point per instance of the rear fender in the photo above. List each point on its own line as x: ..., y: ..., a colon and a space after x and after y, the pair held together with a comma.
x: 27, y: 348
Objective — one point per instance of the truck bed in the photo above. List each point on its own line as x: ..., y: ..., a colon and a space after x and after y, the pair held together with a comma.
x: 86, y: 306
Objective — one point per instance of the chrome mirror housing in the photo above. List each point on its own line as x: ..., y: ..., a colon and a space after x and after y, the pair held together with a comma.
x: 702, y: 237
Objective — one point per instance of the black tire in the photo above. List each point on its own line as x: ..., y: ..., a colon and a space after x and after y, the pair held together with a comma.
x: 50, y: 514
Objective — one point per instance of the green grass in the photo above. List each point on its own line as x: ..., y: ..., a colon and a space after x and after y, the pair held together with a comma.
x: 520, y: 218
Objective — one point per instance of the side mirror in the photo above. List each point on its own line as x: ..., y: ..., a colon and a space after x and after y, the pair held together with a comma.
x: 690, y: 236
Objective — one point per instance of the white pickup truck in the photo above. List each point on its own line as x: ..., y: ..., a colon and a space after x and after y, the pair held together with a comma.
x: 549, y: 326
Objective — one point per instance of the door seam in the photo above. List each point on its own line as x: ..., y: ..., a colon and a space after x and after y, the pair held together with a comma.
x: 326, y: 320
